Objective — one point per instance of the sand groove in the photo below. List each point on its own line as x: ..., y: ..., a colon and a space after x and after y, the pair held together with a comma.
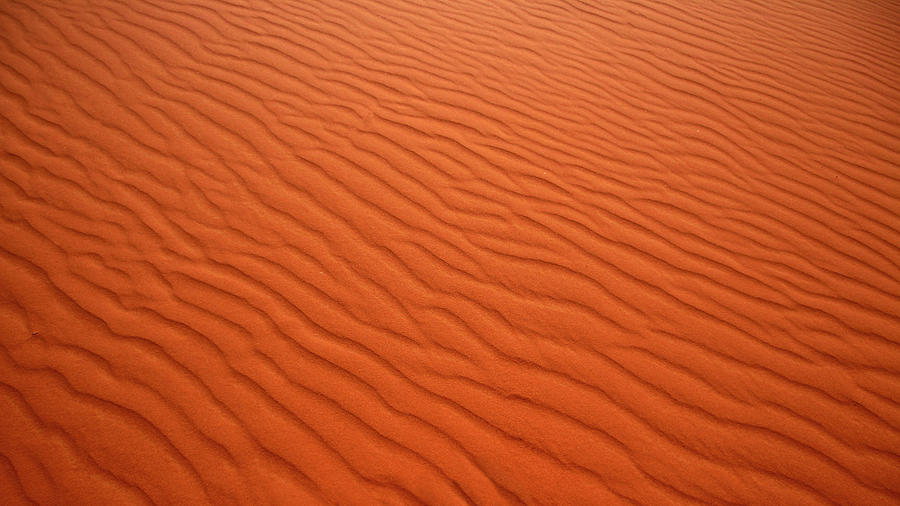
x: 360, y: 252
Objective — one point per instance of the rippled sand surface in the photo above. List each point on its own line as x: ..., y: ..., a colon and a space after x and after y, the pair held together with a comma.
x: 449, y: 252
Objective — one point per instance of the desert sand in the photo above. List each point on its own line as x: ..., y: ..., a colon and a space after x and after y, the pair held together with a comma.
x: 448, y: 252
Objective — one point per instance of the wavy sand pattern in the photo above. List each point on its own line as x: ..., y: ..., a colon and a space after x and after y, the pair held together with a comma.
x: 449, y: 252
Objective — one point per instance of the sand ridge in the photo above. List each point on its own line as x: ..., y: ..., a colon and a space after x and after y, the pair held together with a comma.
x: 360, y: 252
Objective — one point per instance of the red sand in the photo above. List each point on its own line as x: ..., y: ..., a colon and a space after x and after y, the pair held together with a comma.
x: 492, y: 252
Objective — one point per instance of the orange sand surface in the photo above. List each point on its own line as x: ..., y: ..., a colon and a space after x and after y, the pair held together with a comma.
x: 449, y: 252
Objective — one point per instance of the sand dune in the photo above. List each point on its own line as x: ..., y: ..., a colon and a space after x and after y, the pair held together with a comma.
x: 440, y: 252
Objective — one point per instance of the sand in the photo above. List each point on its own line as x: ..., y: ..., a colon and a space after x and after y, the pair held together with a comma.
x: 449, y: 252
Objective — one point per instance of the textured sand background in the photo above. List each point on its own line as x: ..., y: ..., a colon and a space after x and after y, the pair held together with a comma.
x: 449, y: 252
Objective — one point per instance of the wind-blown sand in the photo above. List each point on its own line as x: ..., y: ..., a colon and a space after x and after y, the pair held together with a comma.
x: 449, y: 252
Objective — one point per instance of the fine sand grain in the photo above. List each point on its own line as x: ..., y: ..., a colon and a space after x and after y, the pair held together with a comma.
x: 449, y: 252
